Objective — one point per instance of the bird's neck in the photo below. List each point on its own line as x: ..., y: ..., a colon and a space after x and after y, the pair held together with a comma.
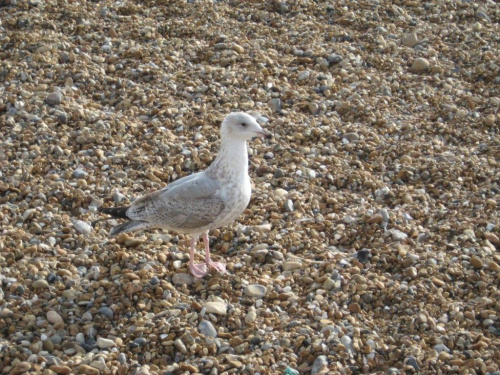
x: 232, y: 158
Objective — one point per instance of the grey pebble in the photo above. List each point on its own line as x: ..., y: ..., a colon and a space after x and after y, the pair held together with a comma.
x: 351, y: 136
x: 275, y: 104
x: 107, y: 312
x: 412, y: 361
x: 319, y: 364
x: 56, y: 339
x: 54, y: 98
x: 122, y: 358
x: 206, y: 328
x: 334, y: 58
x: 79, y: 173
x: 441, y: 348
x: 118, y: 197
x: 141, y: 341
x: 279, y: 173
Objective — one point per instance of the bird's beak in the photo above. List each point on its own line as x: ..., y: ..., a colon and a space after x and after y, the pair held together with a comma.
x: 264, y: 134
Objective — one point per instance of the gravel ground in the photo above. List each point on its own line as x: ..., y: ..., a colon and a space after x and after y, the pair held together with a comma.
x: 371, y: 244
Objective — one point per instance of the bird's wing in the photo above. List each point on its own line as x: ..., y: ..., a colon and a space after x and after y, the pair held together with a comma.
x: 181, y: 181
x: 190, y: 204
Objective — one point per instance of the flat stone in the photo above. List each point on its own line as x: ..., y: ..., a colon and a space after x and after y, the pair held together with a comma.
x: 88, y: 370
x: 104, y: 343
x: 79, y: 173
x: 291, y: 265
x: 219, y: 308
x: 82, y: 227
x: 182, y: 278
x: 134, y: 241
x: 397, y: 235
x: 351, y: 136
x: 255, y: 290
x: 206, y: 328
x: 40, y: 284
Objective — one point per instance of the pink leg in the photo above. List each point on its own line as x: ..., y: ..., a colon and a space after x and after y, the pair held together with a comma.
x: 221, y: 267
x: 198, y: 270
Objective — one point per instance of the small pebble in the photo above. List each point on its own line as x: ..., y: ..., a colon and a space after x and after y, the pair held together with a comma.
x: 40, y: 284
x: 291, y: 265
x: 410, y: 39
x: 183, y: 278
x: 107, y: 312
x: 218, y: 308
x: 54, y: 98
x: 275, y: 105
x: 82, y: 227
x: 255, y: 290
x: 420, y: 65
x: 53, y: 317
x: 320, y: 365
x: 206, y: 328
x: 104, y: 343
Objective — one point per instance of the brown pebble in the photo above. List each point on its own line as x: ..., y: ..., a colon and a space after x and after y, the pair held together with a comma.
x: 494, y: 266
x: 20, y: 368
x: 492, y: 237
x: 375, y: 219
x: 420, y: 65
x: 411, y: 272
x: 60, y: 369
x: 86, y: 369
x: 490, y: 120
x: 188, y: 367
x: 438, y: 282
x: 476, y: 262
x: 235, y: 341
x: 354, y: 308
x: 235, y: 363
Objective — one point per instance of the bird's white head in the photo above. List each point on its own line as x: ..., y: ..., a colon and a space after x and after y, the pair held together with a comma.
x: 240, y: 125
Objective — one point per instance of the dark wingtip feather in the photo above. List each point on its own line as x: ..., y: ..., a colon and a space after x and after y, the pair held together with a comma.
x: 118, y: 212
x: 129, y: 226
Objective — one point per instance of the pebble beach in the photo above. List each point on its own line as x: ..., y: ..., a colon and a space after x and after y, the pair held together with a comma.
x: 371, y: 242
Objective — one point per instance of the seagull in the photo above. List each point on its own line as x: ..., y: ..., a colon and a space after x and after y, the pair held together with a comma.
x: 202, y: 201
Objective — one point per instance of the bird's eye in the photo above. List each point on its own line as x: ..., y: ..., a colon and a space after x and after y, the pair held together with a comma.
x: 244, y: 124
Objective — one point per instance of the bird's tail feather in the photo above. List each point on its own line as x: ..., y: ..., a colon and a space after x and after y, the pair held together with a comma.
x: 129, y: 226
